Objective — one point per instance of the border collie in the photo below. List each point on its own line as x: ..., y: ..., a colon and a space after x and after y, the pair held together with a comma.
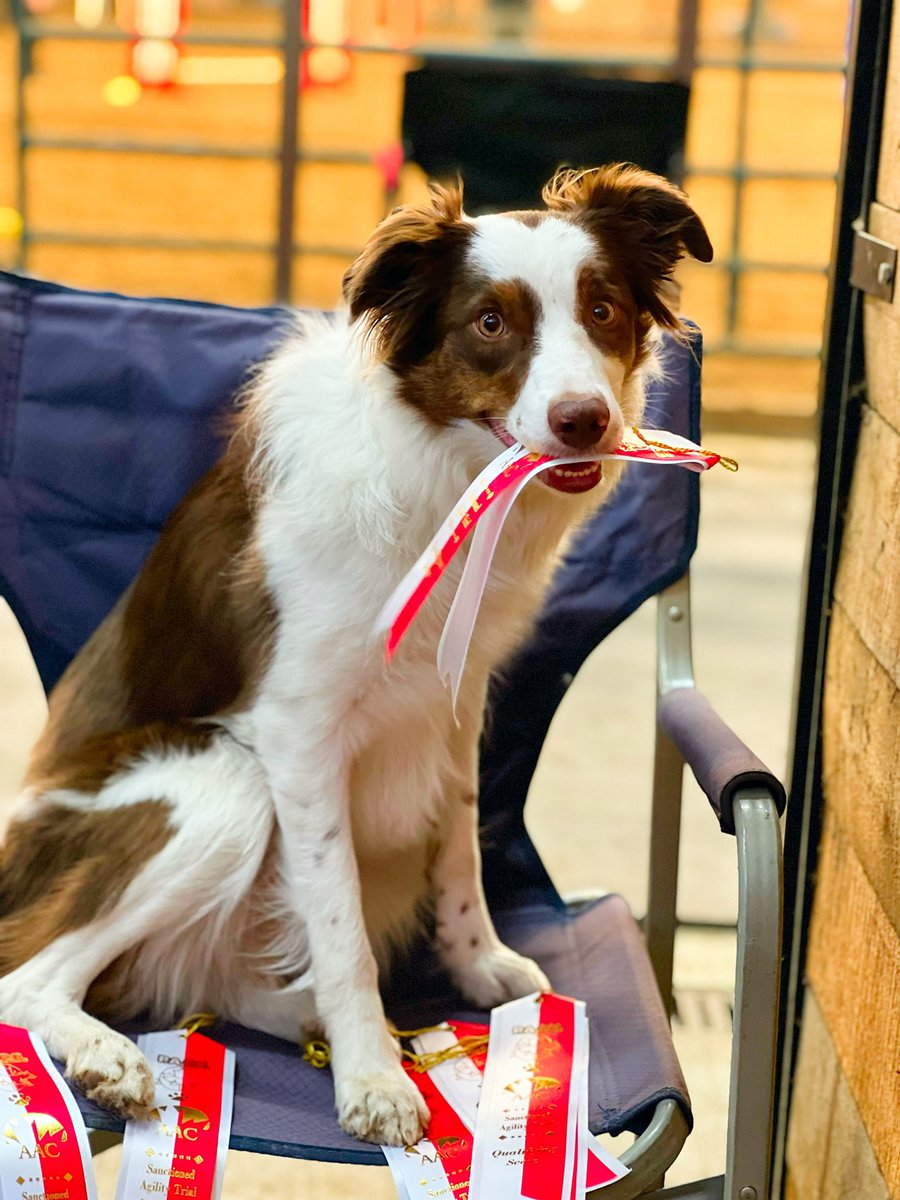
x: 236, y: 804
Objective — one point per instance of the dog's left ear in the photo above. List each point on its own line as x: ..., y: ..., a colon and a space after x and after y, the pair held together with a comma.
x: 396, y: 283
x: 641, y: 219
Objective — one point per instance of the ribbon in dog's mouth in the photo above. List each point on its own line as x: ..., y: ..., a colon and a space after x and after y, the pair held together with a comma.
x: 573, y: 479
x: 485, y: 504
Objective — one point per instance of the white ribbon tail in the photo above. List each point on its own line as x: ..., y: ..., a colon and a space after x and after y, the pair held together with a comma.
x: 453, y: 648
x: 398, y: 597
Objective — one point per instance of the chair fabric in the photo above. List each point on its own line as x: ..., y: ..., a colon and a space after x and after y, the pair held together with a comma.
x: 108, y: 413
x: 284, y: 1106
x: 506, y: 127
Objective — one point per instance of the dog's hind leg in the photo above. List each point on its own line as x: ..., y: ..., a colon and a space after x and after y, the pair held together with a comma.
x: 209, y: 833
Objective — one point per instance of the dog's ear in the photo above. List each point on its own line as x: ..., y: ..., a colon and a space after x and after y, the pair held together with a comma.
x: 397, y: 282
x: 643, y: 221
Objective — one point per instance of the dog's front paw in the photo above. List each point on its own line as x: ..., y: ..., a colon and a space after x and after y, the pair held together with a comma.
x: 112, y: 1072
x: 499, y: 975
x: 386, y: 1108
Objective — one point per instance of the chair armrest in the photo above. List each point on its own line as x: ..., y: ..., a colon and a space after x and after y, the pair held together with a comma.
x: 721, y: 762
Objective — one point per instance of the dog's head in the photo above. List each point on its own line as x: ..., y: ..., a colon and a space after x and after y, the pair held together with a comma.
x: 532, y: 323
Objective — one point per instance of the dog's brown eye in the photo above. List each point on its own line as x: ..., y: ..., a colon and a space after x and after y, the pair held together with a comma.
x: 604, y: 313
x: 490, y: 324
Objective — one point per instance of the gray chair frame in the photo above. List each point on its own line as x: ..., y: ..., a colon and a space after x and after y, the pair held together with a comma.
x: 755, y: 815
x: 758, y: 836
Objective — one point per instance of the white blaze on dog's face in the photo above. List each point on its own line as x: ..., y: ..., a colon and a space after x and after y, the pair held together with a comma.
x: 570, y: 397
x: 534, y: 323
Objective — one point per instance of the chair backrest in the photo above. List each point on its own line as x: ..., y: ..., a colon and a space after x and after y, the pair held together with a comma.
x: 506, y: 127
x: 108, y: 413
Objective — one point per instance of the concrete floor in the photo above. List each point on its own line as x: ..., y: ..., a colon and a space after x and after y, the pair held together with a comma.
x: 589, y: 805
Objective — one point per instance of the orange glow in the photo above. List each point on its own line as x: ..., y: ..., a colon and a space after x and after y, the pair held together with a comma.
x: 327, y: 64
x: 230, y: 69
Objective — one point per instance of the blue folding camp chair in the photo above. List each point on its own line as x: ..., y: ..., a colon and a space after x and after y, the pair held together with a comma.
x: 107, y: 415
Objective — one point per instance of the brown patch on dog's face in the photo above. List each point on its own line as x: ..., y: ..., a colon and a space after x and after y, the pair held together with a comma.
x: 643, y: 223
x: 398, y: 283
x: 486, y: 337
x: 608, y: 312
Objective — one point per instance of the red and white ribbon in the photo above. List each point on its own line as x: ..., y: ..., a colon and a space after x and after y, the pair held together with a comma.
x: 526, y: 1140
x: 459, y: 1080
x: 440, y: 1165
x: 179, y: 1151
x: 486, y: 504
x: 44, y: 1150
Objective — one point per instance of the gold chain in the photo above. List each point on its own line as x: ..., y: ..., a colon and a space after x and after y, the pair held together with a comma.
x: 730, y: 464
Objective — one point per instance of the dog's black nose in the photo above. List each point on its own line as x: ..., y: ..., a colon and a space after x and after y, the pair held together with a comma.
x: 579, y: 423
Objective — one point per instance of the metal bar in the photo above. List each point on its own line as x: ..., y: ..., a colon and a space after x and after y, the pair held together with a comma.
x: 34, y: 28
x: 63, y: 238
x: 687, y: 40
x: 193, y: 150
x: 739, y: 264
x: 22, y: 67
x: 735, y: 172
x: 287, y: 178
x: 736, y: 345
x: 674, y: 669
x: 661, y: 921
x: 650, y: 1155
x: 744, y: 62
x: 731, y: 316
x: 757, y: 978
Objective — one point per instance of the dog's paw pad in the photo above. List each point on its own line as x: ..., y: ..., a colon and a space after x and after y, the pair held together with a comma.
x: 386, y: 1108
x: 112, y: 1072
x: 499, y: 975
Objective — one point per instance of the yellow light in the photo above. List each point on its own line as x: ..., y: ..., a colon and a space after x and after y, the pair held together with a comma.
x: 122, y: 91
x: 10, y: 223
x: 327, y: 64
x: 230, y: 68
x: 567, y: 6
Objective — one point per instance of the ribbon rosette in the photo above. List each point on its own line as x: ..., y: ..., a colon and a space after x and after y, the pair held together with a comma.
x: 483, y: 507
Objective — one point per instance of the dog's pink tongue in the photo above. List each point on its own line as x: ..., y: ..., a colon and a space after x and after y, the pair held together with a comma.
x: 573, y: 478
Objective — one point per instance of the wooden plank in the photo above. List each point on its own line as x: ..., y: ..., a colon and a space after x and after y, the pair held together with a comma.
x: 851, y: 1168
x: 882, y: 323
x: 829, y: 1155
x: 812, y: 1101
x: 868, y: 582
x: 861, y: 758
x: 853, y: 966
x: 888, y: 189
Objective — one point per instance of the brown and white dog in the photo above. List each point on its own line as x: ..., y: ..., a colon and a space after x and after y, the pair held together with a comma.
x: 236, y: 805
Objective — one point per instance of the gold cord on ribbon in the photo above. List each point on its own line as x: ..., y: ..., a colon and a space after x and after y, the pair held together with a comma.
x: 318, y: 1053
x: 730, y: 464
x: 195, y: 1021
x: 466, y: 1046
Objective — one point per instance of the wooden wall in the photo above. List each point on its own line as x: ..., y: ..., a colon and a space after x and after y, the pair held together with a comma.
x: 844, y: 1138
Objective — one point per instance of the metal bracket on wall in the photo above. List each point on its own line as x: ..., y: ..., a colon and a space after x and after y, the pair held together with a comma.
x: 873, y: 269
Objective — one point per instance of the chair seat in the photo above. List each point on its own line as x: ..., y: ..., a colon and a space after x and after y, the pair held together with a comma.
x: 284, y: 1106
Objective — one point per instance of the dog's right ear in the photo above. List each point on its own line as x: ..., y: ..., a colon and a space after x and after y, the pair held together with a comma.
x: 397, y: 282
